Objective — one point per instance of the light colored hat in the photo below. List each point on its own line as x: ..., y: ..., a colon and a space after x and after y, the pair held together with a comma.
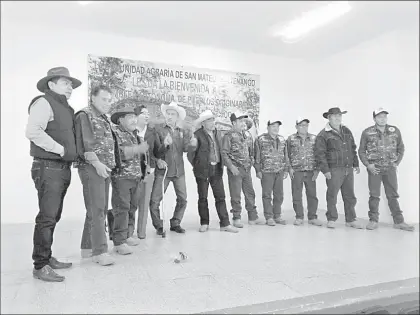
x: 378, y: 111
x: 174, y: 106
x: 207, y: 114
x: 300, y: 119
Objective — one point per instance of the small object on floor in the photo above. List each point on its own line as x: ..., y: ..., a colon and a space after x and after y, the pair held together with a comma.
x: 181, y: 257
x: 177, y: 229
x: 298, y: 222
x: 404, y: 226
x: 315, y: 222
x: 47, y: 274
x: 280, y: 221
x: 229, y: 228
x: 372, y: 225
x: 203, y: 228
x: 271, y: 222
x: 86, y: 253
x: 55, y: 264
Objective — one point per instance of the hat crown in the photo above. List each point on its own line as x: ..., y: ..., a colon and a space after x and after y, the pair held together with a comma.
x: 206, y: 113
x: 59, y: 71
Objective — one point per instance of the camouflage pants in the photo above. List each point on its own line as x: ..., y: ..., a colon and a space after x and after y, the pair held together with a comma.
x: 389, y: 179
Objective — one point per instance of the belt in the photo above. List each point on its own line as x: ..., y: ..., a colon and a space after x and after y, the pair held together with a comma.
x: 54, y: 163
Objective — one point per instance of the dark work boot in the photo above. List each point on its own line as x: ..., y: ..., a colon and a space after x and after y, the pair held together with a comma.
x: 55, y: 264
x: 177, y: 229
x: 47, y: 274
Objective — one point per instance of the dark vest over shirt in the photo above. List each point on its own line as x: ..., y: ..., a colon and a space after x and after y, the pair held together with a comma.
x: 61, y: 129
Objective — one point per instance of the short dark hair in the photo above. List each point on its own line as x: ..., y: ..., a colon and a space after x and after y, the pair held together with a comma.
x: 139, y: 109
x: 96, y: 89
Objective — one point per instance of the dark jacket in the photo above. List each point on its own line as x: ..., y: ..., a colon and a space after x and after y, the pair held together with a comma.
x: 156, y: 148
x: 61, y: 129
x: 333, y: 149
x: 199, y: 158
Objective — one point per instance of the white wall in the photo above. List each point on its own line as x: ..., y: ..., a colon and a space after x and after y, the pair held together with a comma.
x: 289, y: 88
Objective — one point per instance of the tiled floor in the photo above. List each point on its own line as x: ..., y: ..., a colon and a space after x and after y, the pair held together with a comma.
x: 259, y: 264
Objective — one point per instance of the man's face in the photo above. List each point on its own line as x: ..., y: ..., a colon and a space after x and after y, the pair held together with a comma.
x: 273, y: 129
x: 302, y: 127
x: 381, y: 119
x: 143, y: 118
x: 171, y: 116
x: 129, y: 122
x: 63, y: 86
x: 102, y: 101
x: 209, y: 124
x: 335, y: 119
x: 239, y: 124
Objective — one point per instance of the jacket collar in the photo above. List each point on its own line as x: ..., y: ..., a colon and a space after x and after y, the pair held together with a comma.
x: 60, y: 98
x: 329, y: 128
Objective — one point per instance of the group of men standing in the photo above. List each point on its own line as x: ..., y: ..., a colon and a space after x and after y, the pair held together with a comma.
x: 140, y: 161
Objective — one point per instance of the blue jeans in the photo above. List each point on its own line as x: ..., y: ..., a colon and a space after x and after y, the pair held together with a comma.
x: 157, y: 195
x: 51, y: 179
x: 95, y: 194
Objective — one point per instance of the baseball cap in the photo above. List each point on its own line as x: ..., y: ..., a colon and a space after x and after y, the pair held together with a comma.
x: 379, y: 110
x: 237, y: 115
x: 269, y: 123
x: 300, y: 119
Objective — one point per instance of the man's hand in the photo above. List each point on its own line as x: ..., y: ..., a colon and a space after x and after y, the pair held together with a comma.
x: 285, y: 175
x: 101, y: 169
x: 327, y: 175
x: 259, y: 175
x: 372, y: 168
x: 141, y: 148
x: 357, y: 170
x: 168, y: 140
x: 234, y: 170
x: 161, y: 164
x: 291, y: 173
x: 315, y: 176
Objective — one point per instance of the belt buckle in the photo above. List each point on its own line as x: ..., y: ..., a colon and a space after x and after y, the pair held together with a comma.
x: 213, y: 163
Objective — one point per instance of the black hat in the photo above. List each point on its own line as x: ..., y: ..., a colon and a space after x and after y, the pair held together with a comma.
x: 333, y: 111
x: 269, y: 123
x: 237, y: 115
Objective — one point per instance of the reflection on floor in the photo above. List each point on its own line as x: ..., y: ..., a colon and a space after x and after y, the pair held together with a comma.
x: 258, y: 265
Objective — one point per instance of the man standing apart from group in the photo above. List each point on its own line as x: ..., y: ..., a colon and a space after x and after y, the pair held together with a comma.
x: 238, y: 156
x: 381, y: 151
x: 50, y: 130
x: 335, y: 152
x: 96, y: 150
x: 303, y: 170
x: 271, y: 166
x: 205, y: 157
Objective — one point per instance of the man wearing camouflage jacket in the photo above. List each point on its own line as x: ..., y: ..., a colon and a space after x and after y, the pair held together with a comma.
x: 271, y: 166
x: 237, y: 155
x: 381, y: 151
x: 96, y: 150
x: 125, y: 180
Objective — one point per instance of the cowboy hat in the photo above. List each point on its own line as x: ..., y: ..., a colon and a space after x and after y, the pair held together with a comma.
x: 120, y: 109
x: 174, y: 106
x: 207, y: 114
x: 333, y: 111
x: 42, y: 84
x: 237, y: 115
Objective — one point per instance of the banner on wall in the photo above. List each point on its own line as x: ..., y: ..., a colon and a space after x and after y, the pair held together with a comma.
x: 195, y: 89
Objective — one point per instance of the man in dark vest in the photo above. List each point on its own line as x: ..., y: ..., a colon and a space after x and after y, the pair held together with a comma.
x: 50, y: 129
x: 205, y: 156
x: 96, y: 150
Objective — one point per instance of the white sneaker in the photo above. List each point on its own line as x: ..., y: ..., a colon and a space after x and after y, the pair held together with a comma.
x: 258, y: 221
x: 237, y: 223
x: 86, y: 253
x: 123, y: 249
x: 203, y: 228
x: 131, y: 241
x: 104, y: 259
x: 229, y: 228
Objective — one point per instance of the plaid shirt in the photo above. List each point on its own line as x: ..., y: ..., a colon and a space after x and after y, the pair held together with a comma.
x: 302, y: 152
x: 382, y: 149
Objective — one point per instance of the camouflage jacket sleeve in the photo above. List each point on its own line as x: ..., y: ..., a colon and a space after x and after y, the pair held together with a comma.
x: 363, y: 149
x: 84, y: 128
x: 321, y: 153
x: 226, y: 144
x: 257, y: 156
x: 400, y: 148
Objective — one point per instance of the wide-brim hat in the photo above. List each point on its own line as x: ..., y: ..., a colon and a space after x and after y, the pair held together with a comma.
x: 56, y: 72
x: 237, y: 115
x: 120, y: 110
x: 333, y: 111
x: 174, y: 106
x: 207, y: 114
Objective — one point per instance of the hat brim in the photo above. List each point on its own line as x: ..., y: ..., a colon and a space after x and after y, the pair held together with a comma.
x: 181, y: 112
x: 199, y: 120
x: 325, y: 115
x: 240, y: 117
x: 42, y: 84
x: 299, y: 122
x: 275, y: 122
x: 117, y: 115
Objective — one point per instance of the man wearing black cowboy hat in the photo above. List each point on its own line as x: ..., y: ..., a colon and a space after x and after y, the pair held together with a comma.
x: 381, y: 151
x: 335, y: 152
x: 50, y: 130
